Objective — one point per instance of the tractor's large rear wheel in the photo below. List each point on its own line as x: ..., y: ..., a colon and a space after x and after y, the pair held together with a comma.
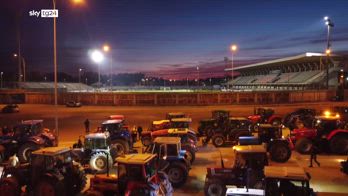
x: 177, y: 173
x: 9, y: 186
x: 25, y: 151
x: 78, y: 179
x: 49, y: 186
x: 280, y: 152
x: 100, y: 161
x: 218, y: 140
x: 339, y: 144
x: 214, y: 187
x: 303, y: 146
x: 120, y: 147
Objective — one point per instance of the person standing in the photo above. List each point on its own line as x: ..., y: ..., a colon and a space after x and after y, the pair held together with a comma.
x: 314, y: 151
x: 87, y: 125
x: 140, y: 130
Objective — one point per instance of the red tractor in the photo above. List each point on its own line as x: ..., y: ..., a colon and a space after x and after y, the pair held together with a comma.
x: 137, y: 175
x: 265, y: 116
x: 327, y: 130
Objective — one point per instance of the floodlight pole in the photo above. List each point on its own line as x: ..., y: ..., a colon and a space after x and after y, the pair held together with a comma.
x: 55, y: 72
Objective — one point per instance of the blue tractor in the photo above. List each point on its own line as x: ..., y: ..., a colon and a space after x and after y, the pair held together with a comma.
x: 94, y: 152
x: 171, y: 159
x: 120, y: 137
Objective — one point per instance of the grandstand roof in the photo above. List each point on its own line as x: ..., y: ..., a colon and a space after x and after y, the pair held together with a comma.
x: 308, y: 56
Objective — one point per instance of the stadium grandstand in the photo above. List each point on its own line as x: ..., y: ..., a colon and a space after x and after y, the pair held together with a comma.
x: 49, y: 86
x: 301, y: 72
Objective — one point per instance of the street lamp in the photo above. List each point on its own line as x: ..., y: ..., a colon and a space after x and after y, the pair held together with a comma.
x: 233, y: 50
x: 198, y: 74
x: 76, y: 2
x: 329, y: 25
x: 106, y: 49
x: 1, y: 74
x: 80, y: 69
x: 15, y: 55
x: 97, y: 57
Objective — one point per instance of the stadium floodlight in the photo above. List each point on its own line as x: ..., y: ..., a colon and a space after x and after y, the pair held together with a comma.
x: 329, y: 24
x: 233, y: 50
x: 97, y: 57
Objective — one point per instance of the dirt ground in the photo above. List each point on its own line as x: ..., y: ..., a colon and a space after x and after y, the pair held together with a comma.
x: 327, y: 179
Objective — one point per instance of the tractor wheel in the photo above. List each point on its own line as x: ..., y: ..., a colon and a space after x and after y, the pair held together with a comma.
x: 177, y: 173
x: 120, y: 147
x: 280, y: 152
x: 303, y: 146
x: 192, y: 137
x: 190, y: 154
x: 49, y: 186
x: 214, y: 187
x: 218, y: 140
x: 98, y: 162
x: 339, y: 144
x: 146, y: 140
x: 78, y: 179
x: 276, y: 122
x: 9, y: 186
x: 25, y: 151
x: 166, y: 188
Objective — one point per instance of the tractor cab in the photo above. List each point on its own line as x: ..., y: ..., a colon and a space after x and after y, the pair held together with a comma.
x: 239, y: 123
x: 250, y: 156
x: 265, y: 115
x: 171, y: 115
x: 136, y: 175
x: 247, y: 170
x: 205, y: 126
x: 270, y: 135
x: 167, y: 148
x: 287, y: 181
x: 180, y: 122
x: 160, y: 124
x: 50, y: 158
x: 29, y: 127
x: 111, y: 126
x: 116, y: 117
x: 326, y: 123
x: 97, y: 141
x: 220, y: 114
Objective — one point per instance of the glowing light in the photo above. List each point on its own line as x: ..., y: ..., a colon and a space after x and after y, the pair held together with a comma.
x: 328, y: 51
x: 97, y: 56
x: 327, y: 113
x: 233, y: 47
x: 106, y: 48
x: 326, y: 18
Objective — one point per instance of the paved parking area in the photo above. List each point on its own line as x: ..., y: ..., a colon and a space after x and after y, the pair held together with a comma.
x: 326, y: 179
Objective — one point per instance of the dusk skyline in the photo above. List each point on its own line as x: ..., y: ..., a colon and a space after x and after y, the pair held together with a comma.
x: 170, y: 37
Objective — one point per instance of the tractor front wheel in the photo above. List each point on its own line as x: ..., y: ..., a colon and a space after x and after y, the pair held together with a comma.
x: 120, y: 147
x: 190, y: 154
x: 99, y: 163
x: 177, y: 174
x: 303, y: 146
x: 218, y: 140
x: 214, y: 187
x: 339, y: 144
x: 25, y: 151
x: 280, y: 152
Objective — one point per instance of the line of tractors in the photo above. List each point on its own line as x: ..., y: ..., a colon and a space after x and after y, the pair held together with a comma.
x: 168, y: 154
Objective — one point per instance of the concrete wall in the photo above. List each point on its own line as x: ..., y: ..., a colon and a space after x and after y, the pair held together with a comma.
x: 182, y: 98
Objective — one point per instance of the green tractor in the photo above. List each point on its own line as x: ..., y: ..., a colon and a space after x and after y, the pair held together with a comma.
x: 51, y: 171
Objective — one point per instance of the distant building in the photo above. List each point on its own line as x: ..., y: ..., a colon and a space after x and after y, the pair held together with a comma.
x: 305, y: 71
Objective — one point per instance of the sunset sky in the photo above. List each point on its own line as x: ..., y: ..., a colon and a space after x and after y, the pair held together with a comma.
x: 169, y: 38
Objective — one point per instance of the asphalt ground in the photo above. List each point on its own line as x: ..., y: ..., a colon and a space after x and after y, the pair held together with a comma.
x: 327, y: 180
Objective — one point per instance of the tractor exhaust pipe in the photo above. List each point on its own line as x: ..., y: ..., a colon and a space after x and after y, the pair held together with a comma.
x: 221, y: 160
